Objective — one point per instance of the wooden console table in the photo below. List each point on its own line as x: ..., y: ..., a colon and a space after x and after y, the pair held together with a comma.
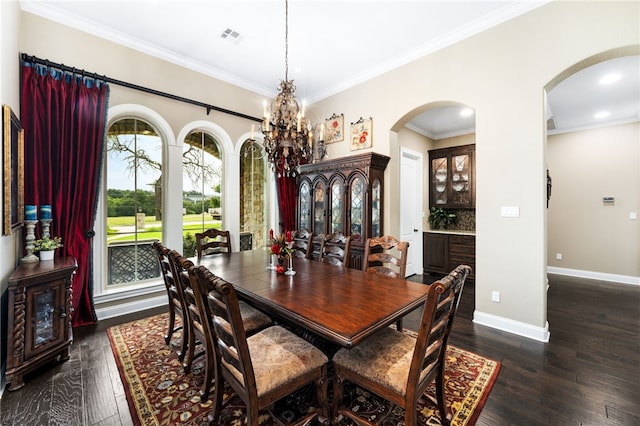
x: 39, y: 317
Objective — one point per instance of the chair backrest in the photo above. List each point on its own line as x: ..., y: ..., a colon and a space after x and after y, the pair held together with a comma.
x: 335, y: 249
x: 174, y: 290
x: 383, y: 253
x: 228, y: 331
x: 179, y: 267
x: 163, y: 261
x: 213, y: 241
x: 302, y: 243
x: 435, y: 325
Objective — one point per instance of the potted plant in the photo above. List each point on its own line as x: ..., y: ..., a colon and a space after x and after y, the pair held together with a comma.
x: 441, y: 218
x: 47, y: 246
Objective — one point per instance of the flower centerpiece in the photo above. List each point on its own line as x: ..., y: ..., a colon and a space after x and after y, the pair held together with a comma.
x: 46, y: 246
x: 280, y: 247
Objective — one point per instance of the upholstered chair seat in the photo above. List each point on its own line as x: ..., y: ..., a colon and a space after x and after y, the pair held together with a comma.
x: 279, y: 357
x: 385, y: 358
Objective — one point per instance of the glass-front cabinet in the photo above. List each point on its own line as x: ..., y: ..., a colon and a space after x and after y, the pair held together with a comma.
x: 346, y: 195
x: 452, y: 177
x: 39, y: 317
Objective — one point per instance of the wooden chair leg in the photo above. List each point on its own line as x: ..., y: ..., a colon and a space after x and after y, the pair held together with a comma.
x: 441, y: 402
x: 172, y: 323
x: 185, y: 341
x: 191, y: 343
x: 338, y: 390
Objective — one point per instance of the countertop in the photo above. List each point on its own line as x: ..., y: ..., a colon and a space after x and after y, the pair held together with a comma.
x: 449, y: 231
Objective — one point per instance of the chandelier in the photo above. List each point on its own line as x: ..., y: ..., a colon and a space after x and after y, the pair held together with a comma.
x: 287, y: 134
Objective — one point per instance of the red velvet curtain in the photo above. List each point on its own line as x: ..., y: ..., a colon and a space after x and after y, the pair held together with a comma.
x: 64, y: 117
x: 287, y: 195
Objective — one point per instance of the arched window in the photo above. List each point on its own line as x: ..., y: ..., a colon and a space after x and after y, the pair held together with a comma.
x: 201, y: 187
x: 253, y: 196
x: 133, y: 200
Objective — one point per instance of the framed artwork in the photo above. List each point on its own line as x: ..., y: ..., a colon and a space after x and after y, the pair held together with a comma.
x: 13, y: 170
x: 362, y: 134
x: 334, y: 128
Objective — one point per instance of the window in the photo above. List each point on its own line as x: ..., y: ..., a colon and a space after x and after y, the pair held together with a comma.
x: 201, y: 186
x: 134, y: 201
x: 253, y: 196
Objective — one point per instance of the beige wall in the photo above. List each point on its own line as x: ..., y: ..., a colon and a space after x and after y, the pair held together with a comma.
x: 9, y: 95
x: 501, y: 73
x: 586, y: 166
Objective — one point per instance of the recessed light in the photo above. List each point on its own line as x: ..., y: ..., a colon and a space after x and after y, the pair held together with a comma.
x: 610, y: 78
x: 466, y: 112
x: 601, y: 114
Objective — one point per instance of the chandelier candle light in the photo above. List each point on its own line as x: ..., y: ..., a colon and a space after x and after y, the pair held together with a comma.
x: 288, y: 139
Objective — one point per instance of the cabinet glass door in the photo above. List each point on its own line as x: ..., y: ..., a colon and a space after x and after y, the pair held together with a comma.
x: 460, y: 173
x: 375, y: 209
x: 439, y: 179
x: 319, y: 209
x: 357, y: 208
x: 305, y: 206
x: 337, y: 206
x: 45, y: 324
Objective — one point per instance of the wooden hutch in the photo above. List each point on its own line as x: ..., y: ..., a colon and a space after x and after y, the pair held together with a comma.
x: 39, y: 317
x: 345, y: 194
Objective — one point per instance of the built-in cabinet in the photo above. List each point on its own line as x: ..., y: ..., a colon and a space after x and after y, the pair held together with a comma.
x: 345, y: 194
x: 444, y: 251
x: 452, y: 177
x: 39, y: 317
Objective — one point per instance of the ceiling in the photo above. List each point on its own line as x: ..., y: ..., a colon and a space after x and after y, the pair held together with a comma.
x: 333, y: 45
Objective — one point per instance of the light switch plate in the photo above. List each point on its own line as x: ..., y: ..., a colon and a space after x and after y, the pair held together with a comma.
x: 510, y: 211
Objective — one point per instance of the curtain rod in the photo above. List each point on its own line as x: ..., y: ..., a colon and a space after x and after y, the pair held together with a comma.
x: 74, y: 70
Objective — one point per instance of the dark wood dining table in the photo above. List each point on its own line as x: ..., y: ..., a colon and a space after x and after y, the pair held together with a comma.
x: 341, y: 305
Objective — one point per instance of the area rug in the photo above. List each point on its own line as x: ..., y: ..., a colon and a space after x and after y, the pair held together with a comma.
x: 159, y: 393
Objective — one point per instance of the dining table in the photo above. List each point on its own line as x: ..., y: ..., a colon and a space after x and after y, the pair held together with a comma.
x: 344, y: 306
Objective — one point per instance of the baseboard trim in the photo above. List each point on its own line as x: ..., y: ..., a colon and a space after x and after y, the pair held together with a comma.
x: 130, y: 307
x: 529, y: 331
x: 622, y: 279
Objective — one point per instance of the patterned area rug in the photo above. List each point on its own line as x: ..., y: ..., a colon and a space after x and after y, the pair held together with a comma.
x: 159, y: 393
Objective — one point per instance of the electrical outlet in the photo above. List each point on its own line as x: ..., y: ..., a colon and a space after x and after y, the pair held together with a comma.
x: 558, y: 256
x: 495, y: 296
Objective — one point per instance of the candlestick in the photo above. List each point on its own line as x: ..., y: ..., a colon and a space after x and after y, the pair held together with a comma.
x: 46, y: 224
x: 29, y: 239
x: 31, y: 212
x: 290, y: 270
x: 45, y: 211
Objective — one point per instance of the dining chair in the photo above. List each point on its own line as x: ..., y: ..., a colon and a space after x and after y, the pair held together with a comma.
x: 253, y: 320
x: 212, y: 241
x: 399, y: 367
x: 176, y: 300
x: 302, y: 243
x: 179, y: 267
x: 264, y: 367
x: 387, y: 256
x: 336, y: 248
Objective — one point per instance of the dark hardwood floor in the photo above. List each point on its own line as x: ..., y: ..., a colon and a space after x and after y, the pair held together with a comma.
x: 588, y: 374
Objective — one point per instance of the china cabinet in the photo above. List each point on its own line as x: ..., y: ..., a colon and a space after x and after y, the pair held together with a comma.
x: 452, y: 177
x: 345, y: 194
x: 39, y: 316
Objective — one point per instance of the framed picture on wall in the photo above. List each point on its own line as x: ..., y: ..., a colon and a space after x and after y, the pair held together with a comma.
x: 334, y: 129
x: 13, y: 170
x: 362, y: 134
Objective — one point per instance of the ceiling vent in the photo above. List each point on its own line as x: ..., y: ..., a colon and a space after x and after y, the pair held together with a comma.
x: 231, y: 35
